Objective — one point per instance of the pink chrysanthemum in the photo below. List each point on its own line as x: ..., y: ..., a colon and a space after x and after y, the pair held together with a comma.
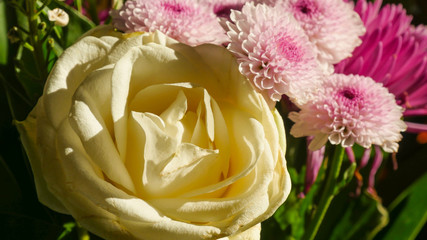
x: 350, y: 109
x: 332, y: 26
x: 273, y: 51
x: 393, y: 53
x: 185, y: 20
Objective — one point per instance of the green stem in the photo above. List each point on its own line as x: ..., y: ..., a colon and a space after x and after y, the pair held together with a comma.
x: 35, y: 39
x: 78, y: 4
x: 328, y: 194
x: 45, y: 3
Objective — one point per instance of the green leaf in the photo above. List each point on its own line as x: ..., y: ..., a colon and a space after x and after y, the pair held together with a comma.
x: 288, y: 221
x: 347, y: 176
x: 408, y: 212
x: 27, y: 74
x: 291, y: 216
x: 4, y: 45
x: 92, y: 11
x: 68, y: 228
x: 57, y: 49
x: 270, y: 229
x: 353, y: 218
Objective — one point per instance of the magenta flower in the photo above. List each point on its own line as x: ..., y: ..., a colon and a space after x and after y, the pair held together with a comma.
x: 350, y: 109
x: 102, y: 9
x: 313, y: 164
x: 185, y: 20
x: 222, y: 8
x: 393, y: 53
x: 273, y: 51
x: 332, y: 26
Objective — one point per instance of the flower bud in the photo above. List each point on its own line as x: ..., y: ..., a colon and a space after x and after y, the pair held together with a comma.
x: 13, y: 35
x: 58, y: 16
x: 41, y: 26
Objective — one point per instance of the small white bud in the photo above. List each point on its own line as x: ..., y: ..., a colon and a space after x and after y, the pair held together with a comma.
x: 59, y: 16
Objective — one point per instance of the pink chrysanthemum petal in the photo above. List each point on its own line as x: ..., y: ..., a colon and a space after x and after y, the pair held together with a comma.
x: 273, y: 51
x: 393, y: 53
x: 332, y: 26
x: 185, y: 20
x: 351, y: 109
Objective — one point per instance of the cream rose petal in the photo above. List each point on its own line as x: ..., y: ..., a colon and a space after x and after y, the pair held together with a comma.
x: 253, y: 233
x: 141, y: 137
x: 27, y: 129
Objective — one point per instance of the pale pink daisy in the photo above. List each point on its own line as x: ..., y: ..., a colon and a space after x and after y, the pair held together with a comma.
x: 350, y: 109
x: 394, y: 53
x: 273, y: 51
x: 185, y: 20
x: 332, y: 26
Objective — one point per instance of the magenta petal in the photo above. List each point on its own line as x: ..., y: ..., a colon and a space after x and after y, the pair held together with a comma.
x: 365, y: 158
x: 373, y: 61
x: 415, y: 112
x: 416, y: 127
x: 393, y: 52
x: 375, y: 166
x: 314, y: 161
x: 350, y: 154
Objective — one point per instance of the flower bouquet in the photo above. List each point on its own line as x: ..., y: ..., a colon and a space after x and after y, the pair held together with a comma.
x: 213, y: 119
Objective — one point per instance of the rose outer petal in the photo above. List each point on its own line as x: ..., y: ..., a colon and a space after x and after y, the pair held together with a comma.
x: 78, y: 176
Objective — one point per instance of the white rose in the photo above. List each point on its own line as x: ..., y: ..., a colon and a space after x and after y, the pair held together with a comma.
x: 141, y: 137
